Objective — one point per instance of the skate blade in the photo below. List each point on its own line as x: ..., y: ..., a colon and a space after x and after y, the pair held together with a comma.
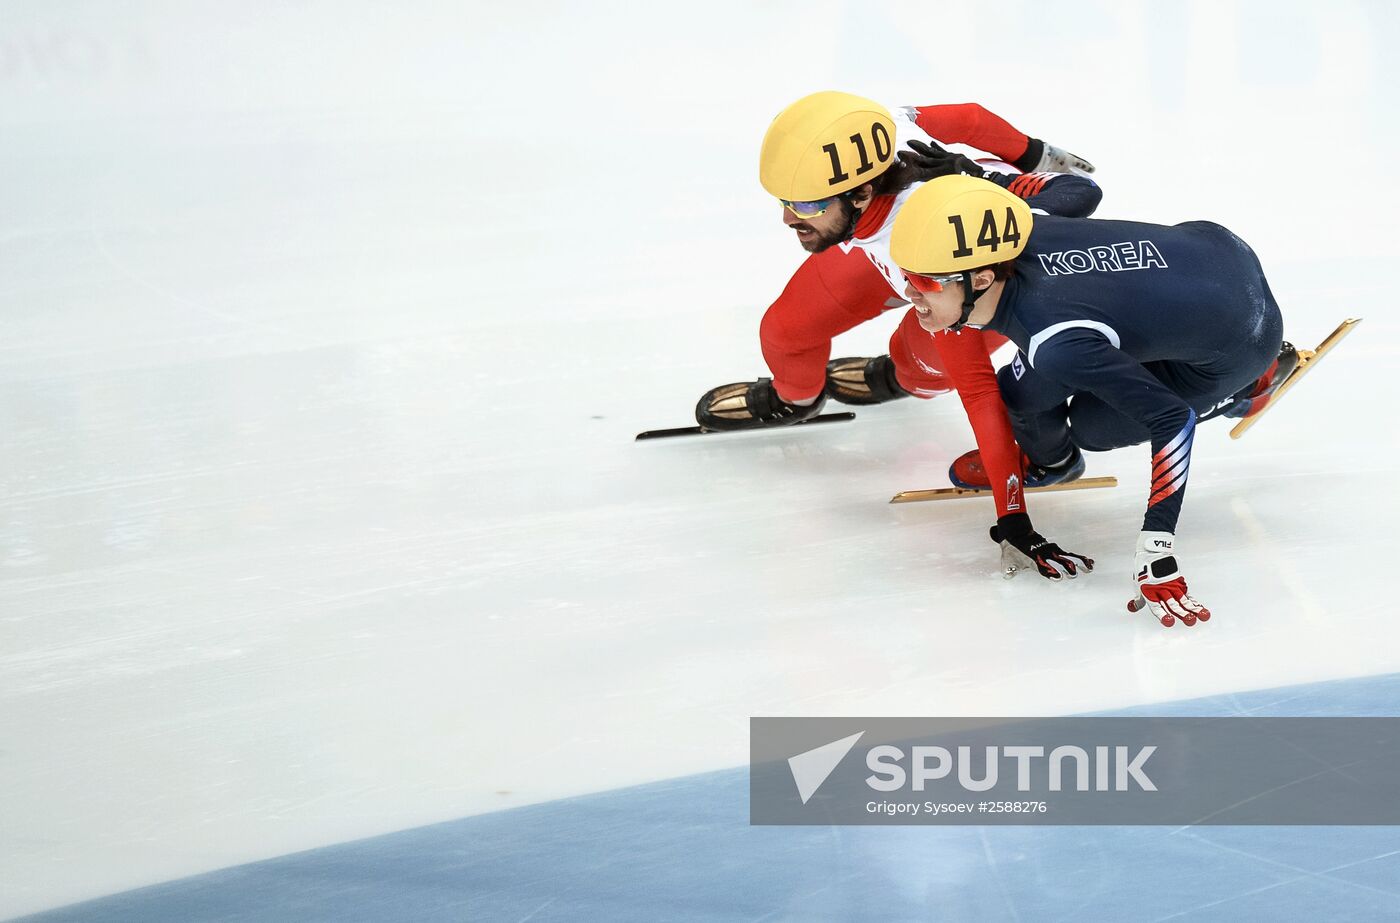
x: 1306, y: 360
x: 702, y: 431
x: 958, y: 493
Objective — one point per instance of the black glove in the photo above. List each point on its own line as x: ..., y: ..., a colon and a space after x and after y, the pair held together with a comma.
x: 751, y: 405
x: 1014, y: 531
x: 931, y: 161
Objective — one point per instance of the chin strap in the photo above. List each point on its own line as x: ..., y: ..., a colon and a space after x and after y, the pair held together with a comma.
x: 969, y: 301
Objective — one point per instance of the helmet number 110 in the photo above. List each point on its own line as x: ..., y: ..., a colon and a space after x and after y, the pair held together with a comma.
x: 880, y: 139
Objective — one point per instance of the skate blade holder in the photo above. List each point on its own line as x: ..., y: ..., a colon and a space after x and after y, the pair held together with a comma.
x: 1307, y: 358
x: 959, y: 493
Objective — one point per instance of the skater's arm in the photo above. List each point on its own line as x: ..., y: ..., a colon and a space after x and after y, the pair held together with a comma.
x: 1086, y: 360
x: 975, y: 126
x: 970, y: 369
x: 1063, y: 194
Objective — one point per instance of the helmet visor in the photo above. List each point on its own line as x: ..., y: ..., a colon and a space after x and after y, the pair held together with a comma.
x: 809, y: 209
x: 925, y: 283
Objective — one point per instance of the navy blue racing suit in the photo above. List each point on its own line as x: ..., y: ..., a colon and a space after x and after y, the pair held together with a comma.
x: 1127, y: 331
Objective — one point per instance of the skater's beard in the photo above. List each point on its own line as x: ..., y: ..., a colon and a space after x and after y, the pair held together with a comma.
x: 843, y: 213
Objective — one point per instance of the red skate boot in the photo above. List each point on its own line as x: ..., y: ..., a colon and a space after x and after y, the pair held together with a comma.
x: 968, y: 472
x: 1255, y: 398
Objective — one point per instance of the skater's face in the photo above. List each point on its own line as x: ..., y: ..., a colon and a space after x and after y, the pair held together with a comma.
x: 819, y: 232
x: 936, y: 310
x: 940, y: 310
x: 822, y: 231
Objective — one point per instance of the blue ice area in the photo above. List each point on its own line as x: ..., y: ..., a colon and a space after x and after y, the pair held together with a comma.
x: 683, y: 850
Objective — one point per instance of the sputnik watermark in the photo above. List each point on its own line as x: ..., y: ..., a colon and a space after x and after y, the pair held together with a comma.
x: 1074, y: 770
x: 1114, y: 768
x: 1108, y: 769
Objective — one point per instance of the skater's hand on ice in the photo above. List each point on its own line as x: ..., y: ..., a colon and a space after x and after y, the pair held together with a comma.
x: 1161, y: 586
x: 1023, y: 547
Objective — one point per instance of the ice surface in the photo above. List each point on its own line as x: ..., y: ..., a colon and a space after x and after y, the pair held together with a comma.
x: 325, y: 328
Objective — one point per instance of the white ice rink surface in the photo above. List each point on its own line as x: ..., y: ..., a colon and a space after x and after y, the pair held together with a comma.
x: 325, y: 329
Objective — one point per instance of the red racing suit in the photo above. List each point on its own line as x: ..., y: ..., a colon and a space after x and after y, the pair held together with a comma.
x: 844, y: 286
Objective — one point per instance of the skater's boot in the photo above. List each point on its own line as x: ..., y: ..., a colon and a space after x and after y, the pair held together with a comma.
x: 968, y: 472
x: 1255, y: 397
x: 858, y: 380
x: 751, y: 405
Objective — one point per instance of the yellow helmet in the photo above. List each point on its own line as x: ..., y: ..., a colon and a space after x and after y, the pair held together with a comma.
x: 958, y: 223
x: 825, y: 144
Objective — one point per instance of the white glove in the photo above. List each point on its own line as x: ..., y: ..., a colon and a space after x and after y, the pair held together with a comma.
x: 1055, y: 160
x: 1161, y: 587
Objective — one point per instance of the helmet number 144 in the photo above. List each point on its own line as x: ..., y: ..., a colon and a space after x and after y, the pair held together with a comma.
x: 988, y: 236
